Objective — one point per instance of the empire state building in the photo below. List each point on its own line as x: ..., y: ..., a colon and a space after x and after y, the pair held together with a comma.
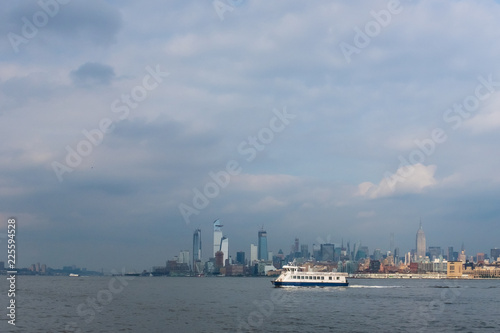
x: 420, y: 243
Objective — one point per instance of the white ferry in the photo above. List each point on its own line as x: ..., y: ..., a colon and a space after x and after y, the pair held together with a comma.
x: 300, y: 276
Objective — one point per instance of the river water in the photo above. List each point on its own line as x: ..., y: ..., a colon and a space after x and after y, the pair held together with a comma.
x: 224, y: 304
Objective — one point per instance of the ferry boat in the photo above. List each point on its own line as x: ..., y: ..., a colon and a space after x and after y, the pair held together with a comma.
x: 302, y: 277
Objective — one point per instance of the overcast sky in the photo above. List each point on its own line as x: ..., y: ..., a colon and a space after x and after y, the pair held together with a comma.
x: 324, y: 120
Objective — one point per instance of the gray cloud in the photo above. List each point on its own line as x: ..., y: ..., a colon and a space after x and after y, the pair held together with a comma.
x: 92, y: 73
x: 353, y: 122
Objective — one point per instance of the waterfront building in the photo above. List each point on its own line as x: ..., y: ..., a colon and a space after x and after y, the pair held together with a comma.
x: 217, y: 235
x: 262, y: 250
x: 420, y: 243
x: 480, y: 257
x: 196, y: 250
x: 454, y: 269
x: 219, y: 260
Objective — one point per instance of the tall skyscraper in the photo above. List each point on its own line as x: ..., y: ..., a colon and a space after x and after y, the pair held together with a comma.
x: 224, y: 247
x: 253, y: 253
x: 420, y: 242
x: 262, y: 245
x: 217, y: 236
x: 196, y: 250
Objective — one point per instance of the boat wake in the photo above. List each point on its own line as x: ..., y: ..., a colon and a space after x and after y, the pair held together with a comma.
x: 374, y: 287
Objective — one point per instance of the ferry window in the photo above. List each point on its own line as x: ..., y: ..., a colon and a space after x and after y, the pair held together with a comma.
x: 322, y: 278
x: 302, y: 277
x: 330, y: 277
x: 338, y: 278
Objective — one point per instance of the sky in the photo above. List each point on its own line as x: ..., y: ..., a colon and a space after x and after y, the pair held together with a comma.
x: 127, y: 125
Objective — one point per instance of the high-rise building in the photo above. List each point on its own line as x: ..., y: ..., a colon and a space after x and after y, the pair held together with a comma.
x: 304, y: 249
x: 450, y: 256
x: 184, y: 257
x: 397, y: 257
x: 217, y: 236
x: 253, y: 253
x: 434, y: 252
x: 327, y: 252
x: 420, y: 242
x: 262, y: 255
x: 196, y: 250
x: 240, y: 257
x: 224, y: 247
x: 219, y: 259
x: 494, y: 254
x: 296, y: 245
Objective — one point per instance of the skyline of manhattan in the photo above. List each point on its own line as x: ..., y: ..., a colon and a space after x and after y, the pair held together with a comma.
x: 120, y: 138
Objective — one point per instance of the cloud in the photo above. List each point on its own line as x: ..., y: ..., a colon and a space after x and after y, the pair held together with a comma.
x: 487, y: 119
x: 91, y: 74
x: 419, y: 178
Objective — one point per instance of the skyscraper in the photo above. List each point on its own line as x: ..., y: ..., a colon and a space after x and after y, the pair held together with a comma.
x: 224, y: 247
x: 253, y: 253
x: 240, y: 257
x: 217, y: 236
x: 196, y: 249
x: 327, y: 252
x: 420, y: 242
x: 262, y: 255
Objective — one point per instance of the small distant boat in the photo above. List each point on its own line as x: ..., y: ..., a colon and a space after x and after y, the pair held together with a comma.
x: 301, y: 277
x: 74, y: 275
x: 132, y: 274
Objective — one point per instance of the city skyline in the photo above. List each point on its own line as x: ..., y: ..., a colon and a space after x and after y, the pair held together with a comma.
x: 128, y: 126
x: 325, y: 251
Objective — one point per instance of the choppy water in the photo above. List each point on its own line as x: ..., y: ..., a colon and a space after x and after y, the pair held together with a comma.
x: 161, y: 304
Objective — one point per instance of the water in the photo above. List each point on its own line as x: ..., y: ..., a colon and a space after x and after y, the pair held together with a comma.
x: 162, y: 304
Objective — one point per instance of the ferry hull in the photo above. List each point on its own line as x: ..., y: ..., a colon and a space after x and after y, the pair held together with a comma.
x: 309, y: 284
